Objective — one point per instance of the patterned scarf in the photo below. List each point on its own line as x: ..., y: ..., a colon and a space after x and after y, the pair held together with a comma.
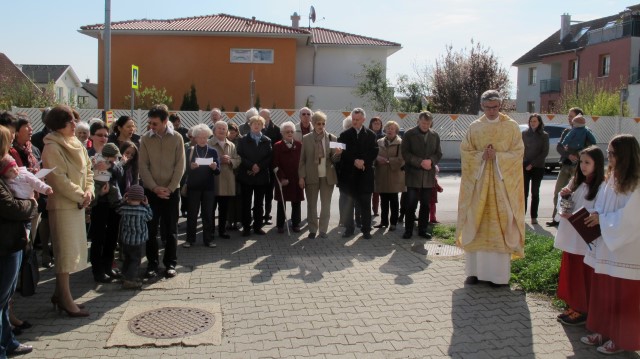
x: 318, y: 137
x: 26, y: 151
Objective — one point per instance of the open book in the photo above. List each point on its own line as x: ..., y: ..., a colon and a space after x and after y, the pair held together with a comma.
x: 588, y: 234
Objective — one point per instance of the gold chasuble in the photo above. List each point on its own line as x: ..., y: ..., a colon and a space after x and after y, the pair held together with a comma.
x: 491, y: 204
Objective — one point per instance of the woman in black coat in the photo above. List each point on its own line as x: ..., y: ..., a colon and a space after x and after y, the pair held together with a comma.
x: 255, y: 152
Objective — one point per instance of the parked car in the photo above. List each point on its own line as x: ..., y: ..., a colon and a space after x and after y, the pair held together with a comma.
x: 554, y: 131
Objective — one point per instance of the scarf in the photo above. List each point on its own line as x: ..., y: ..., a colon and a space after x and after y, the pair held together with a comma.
x: 255, y: 137
x: 318, y: 137
x: 25, y: 151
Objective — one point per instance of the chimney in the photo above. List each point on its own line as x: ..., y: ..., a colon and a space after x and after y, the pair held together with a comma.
x: 565, y: 25
x: 87, y: 81
x: 295, y: 20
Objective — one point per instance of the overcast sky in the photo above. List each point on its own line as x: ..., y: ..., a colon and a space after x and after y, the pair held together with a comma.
x: 45, y: 31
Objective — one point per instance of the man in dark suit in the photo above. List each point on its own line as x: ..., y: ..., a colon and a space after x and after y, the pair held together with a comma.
x: 356, y: 170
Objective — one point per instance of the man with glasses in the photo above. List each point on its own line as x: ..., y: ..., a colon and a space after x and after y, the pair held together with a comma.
x: 490, y: 224
x: 304, y: 126
x: 356, y: 171
x: 162, y: 161
x: 317, y: 174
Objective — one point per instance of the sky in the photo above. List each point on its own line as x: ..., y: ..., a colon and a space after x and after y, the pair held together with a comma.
x: 46, y: 32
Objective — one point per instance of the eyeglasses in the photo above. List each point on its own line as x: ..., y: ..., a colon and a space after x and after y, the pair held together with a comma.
x: 305, y: 114
x: 288, y: 131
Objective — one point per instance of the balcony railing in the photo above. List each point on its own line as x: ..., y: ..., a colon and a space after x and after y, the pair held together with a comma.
x: 550, y: 85
x: 623, y: 29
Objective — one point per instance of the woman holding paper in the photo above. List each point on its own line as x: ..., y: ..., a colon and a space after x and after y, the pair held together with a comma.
x: 614, y: 303
x: 317, y: 173
x: 203, y: 164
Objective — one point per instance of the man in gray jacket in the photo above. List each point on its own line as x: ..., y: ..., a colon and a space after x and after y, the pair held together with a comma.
x: 421, y: 152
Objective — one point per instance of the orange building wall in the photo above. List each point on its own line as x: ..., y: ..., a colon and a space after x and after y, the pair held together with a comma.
x: 176, y: 62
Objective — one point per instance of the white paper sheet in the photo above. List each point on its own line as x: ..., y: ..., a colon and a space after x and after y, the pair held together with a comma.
x: 337, y: 145
x: 204, y: 161
x: 43, y: 172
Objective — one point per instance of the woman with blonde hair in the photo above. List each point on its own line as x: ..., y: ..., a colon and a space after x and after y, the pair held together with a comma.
x: 389, y: 175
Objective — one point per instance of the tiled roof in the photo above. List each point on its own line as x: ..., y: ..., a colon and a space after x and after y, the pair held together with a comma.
x: 553, y: 45
x: 11, y: 74
x: 91, y: 88
x: 222, y: 23
x: 326, y: 36
x: 228, y: 24
x: 42, y: 74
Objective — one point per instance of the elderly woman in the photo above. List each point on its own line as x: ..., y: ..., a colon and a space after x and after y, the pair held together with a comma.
x: 536, y: 149
x: 286, y: 157
x: 255, y: 152
x: 317, y: 173
x: 72, y: 183
x: 203, y: 164
x: 82, y: 132
x: 13, y: 213
x: 235, y: 203
x: 124, y: 129
x: 226, y: 183
x: 389, y: 175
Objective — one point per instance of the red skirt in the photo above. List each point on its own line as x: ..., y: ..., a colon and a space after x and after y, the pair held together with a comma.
x: 574, y: 283
x: 614, y: 310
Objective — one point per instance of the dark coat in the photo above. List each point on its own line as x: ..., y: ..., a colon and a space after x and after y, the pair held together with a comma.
x: 203, y: 177
x: 286, y: 160
x: 13, y: 213
x: 273, y: 132
x: 414, y: 150
x: 363, y: 147
x: 251, y: 154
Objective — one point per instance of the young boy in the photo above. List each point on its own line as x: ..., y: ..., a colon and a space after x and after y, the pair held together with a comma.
x: 579, y: 138
x: 109, y: 156
x: 135, y: 213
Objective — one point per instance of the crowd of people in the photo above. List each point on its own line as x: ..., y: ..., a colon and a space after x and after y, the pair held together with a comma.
x: 119, y: 189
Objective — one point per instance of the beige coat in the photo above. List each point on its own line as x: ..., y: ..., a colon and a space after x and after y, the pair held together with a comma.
x: 308, y: 168
x: 226, y: 181
x: 72, y: 176
x: 390, y: 176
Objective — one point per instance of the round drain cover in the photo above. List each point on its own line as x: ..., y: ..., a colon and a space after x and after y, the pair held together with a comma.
x: 171, y: 322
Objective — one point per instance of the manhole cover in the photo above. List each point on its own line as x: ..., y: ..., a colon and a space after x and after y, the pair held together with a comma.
x: 171, y: 322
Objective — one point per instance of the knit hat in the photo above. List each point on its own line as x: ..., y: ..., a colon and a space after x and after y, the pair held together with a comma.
x: 135, y: 193
x: 579, y: 121
x: 110, y: 150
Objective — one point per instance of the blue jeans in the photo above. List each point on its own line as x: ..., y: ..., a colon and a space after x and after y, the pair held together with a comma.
x: 9, y: 267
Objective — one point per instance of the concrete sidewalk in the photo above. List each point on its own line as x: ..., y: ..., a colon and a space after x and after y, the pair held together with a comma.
x: 295, y: 297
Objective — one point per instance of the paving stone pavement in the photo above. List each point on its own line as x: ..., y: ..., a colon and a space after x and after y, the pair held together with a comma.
x: 293, y: 297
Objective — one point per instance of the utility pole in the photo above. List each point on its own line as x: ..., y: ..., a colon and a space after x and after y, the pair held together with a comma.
x: 107, y: 55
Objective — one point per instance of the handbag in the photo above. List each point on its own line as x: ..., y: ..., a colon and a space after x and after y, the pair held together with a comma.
x: 184, y: 189
x: 29, y: 274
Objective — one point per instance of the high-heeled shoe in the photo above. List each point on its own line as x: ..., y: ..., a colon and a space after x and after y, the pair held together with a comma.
x: 55, y: 301
x: 80, y: 313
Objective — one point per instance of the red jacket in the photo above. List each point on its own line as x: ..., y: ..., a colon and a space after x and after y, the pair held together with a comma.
x: 286, y: 160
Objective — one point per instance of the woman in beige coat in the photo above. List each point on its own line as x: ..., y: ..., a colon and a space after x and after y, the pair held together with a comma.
x: 72, y: 183
x: 389, y: 175
x: 226, y: 181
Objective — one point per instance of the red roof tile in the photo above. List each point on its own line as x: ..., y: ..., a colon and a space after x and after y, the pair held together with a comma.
x: 326, y: 36
x: 223, y: 23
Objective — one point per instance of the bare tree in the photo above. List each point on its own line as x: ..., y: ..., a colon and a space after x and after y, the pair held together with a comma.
x: 458, y: 78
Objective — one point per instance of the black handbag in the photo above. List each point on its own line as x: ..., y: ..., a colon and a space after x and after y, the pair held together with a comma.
x: 29, y: 274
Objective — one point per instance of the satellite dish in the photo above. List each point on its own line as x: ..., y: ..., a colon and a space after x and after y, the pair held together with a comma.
x: 312, y: 14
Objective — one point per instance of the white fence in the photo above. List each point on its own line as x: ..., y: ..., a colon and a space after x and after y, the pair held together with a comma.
x: 451, y: 128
